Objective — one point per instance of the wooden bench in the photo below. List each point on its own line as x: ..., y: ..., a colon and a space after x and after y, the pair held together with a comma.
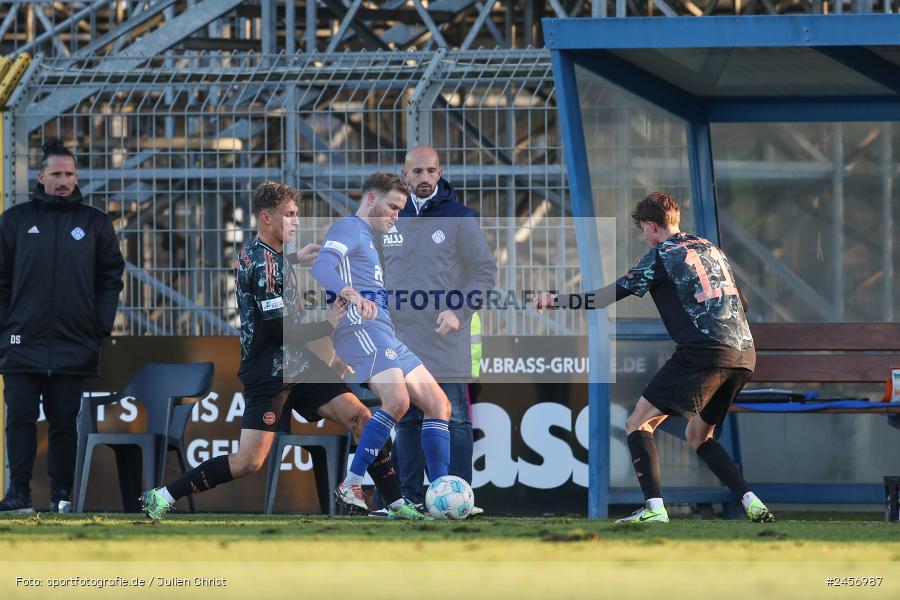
x: 826, y: 353
x: 817, y: 353
x: 802, y: 353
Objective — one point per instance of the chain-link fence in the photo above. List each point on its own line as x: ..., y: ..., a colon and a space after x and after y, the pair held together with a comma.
x: 172, y: 148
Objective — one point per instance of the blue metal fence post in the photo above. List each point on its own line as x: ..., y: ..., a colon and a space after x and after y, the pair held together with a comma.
x: 572, y: 130
x: 703, y: 193
x: 700, y: 165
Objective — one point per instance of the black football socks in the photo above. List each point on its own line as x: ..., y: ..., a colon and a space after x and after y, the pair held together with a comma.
x: 722, y: 466
x: 385, y: 477
x: 645, y: 461
x: 204, y: 476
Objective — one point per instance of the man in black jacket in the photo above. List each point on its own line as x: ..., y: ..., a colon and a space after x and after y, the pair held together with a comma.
x: 60, y: 278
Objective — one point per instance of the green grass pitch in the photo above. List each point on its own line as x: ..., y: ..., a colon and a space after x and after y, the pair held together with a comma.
x: 252, y: 556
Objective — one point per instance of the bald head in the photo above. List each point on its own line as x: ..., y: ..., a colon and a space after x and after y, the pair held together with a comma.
x: 422, y: 170
x: 422, y: 154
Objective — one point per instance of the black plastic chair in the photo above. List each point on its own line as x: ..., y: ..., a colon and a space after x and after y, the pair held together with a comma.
x: 329, y: 455
x: 160, y: 388
x: 329, y: 458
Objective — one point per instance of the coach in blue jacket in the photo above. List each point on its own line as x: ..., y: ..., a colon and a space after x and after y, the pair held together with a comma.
x: 435, y: 246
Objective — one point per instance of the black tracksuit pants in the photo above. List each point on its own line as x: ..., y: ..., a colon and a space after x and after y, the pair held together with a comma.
x: 62, y: 400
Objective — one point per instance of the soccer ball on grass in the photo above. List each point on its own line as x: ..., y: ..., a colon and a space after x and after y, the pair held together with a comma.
x: 449, y: 497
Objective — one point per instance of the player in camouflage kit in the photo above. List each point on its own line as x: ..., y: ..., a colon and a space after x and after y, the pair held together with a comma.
x: 693, y: 288
x: 272, y: 366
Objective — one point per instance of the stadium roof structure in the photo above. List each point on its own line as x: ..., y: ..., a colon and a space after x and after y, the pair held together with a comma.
x: 748, y: 69
x: 759, y: 68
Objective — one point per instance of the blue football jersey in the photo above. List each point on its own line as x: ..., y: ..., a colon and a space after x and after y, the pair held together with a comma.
x: 349, y: 251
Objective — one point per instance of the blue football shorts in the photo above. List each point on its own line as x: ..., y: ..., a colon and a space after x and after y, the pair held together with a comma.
x: 369, y: 350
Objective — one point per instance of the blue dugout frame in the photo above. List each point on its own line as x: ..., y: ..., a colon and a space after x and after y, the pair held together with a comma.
x: 590, y: 43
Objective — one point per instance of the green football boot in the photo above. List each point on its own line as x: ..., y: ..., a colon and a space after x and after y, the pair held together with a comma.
x: 758, y: 513
x: 407, y: 512
x: 154, y: 505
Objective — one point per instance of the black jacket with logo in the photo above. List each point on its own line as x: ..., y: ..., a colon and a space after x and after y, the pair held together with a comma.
x: 60, y: 278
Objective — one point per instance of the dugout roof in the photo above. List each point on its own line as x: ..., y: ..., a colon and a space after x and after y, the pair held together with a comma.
x: 785, y: 68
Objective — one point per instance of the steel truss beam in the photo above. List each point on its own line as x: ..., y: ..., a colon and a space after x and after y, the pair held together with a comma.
x: 393, y: 24
x: 152, y: 44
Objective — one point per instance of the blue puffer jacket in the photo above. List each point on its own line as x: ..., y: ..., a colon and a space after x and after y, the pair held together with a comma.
x: 439, y: 253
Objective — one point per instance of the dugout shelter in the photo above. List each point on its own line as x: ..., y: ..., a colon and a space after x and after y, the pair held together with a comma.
x: 705, y: 97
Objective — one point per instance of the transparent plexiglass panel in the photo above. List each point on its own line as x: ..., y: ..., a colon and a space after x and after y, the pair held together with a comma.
x: 808, y: 218
x: 633, y: 148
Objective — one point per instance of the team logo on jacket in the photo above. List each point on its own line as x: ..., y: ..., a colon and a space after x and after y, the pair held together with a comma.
x: 390, y: 354
x: 438, y: 236
x: 78, y: 233
x: 392, y: 238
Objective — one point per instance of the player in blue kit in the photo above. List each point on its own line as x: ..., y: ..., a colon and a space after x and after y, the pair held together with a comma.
x: 279, y: 372
x: 348, y: 266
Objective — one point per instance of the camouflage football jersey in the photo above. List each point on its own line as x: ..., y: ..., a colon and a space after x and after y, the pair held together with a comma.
x: 693, y: 288
x: 264, y: 301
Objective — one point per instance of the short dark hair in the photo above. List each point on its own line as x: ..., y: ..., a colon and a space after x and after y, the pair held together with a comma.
x: 269, y: 194
x: 54, y: 147
x: 383, y: 183
x: 659, y: 208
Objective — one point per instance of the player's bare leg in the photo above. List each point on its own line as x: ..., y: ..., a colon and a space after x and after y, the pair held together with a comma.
x: 252, y: 452
x: 390, y: 386
x: 348, y: 411
x: 425, y: 393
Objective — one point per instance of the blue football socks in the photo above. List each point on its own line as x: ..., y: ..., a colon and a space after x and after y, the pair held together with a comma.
x: 374, y: 435
x: 436, y: 446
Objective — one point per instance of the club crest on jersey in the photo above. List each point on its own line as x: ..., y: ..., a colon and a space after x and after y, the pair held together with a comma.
x: 378, y: 274
x: 438, y: 236
x: 390, y: 354
x: 78, y: 233
x: 392, y: 238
